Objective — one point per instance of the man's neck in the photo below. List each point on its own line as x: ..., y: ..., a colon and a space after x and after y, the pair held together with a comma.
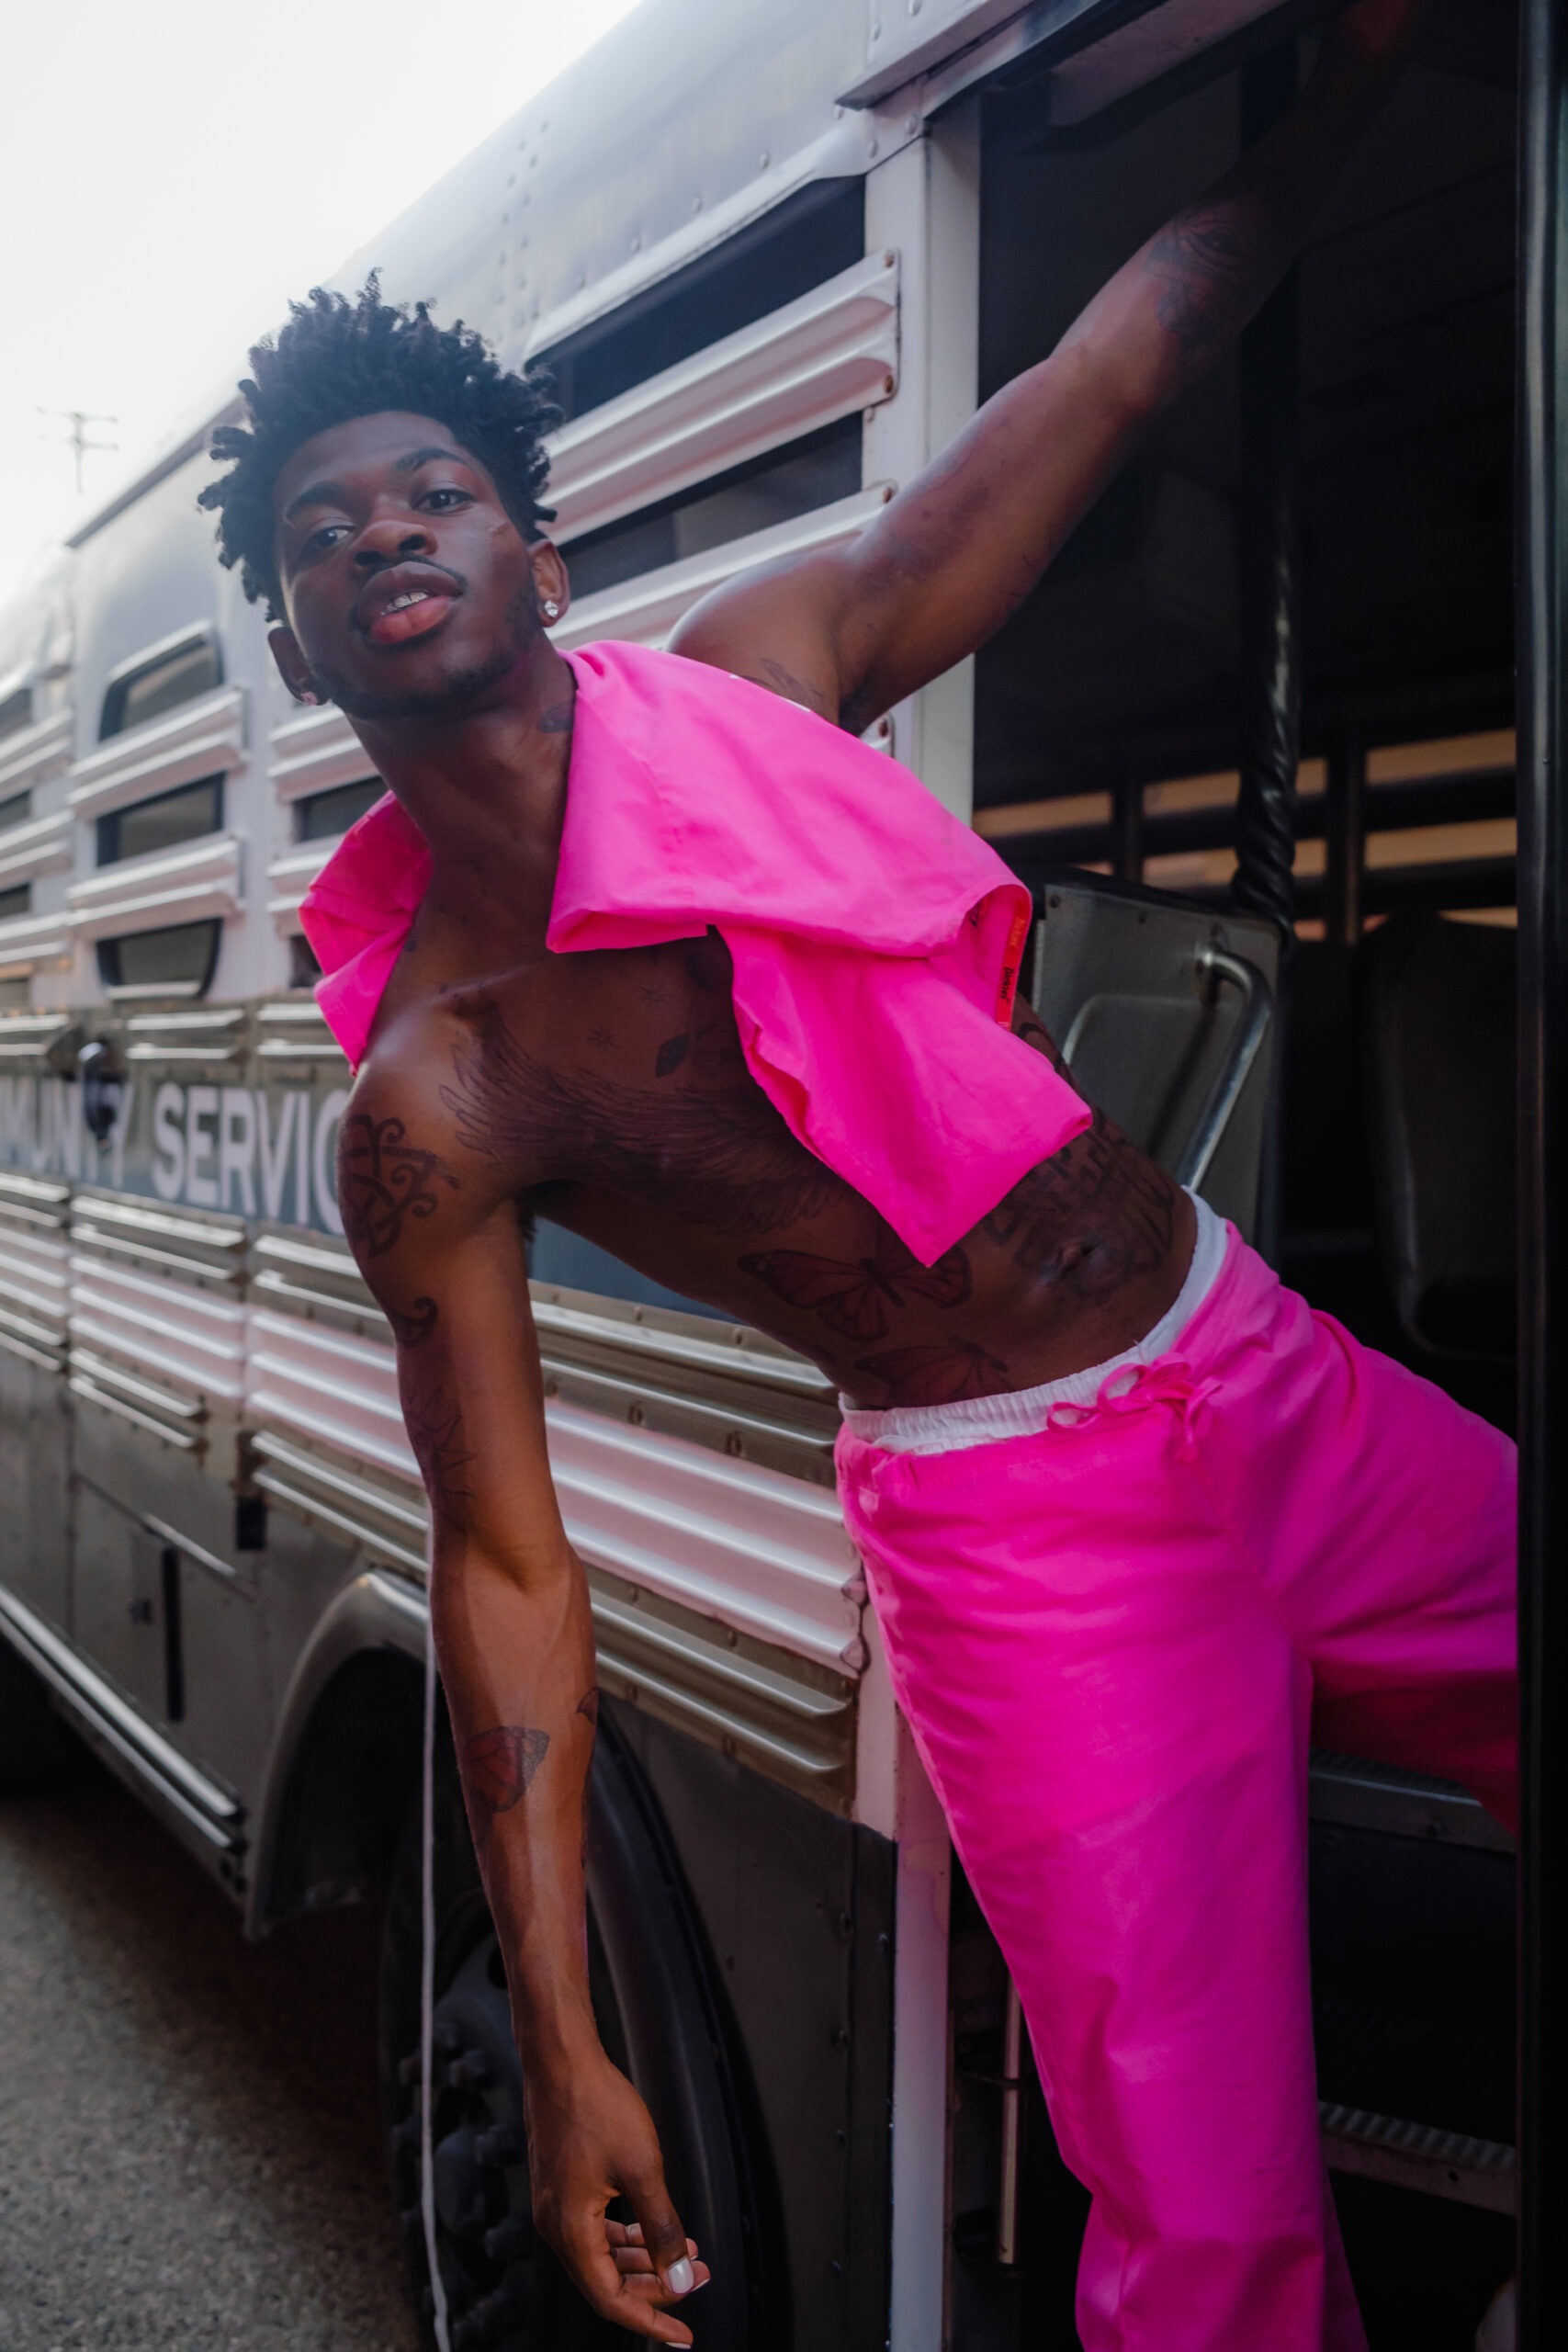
x: 487, y: 789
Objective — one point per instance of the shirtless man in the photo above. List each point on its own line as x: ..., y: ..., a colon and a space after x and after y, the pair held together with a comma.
x: 609, y: 1090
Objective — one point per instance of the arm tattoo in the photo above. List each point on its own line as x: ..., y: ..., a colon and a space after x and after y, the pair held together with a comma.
x: 412, y: 1328
x: 382, y: 1180
x: 497, y: 1765
x: 589, y: 1705
x: 1213, y: 265
x: 434, y: 1424
x: 725, y: 1159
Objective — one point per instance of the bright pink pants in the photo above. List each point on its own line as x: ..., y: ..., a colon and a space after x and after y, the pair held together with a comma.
x: 1112, y: 1642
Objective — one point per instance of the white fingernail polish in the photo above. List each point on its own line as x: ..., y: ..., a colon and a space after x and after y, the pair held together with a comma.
x: 679, y: 2277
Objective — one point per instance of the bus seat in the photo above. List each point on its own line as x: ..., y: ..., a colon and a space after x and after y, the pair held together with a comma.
x: 1150, y: 1033
x: 1440, y: 1039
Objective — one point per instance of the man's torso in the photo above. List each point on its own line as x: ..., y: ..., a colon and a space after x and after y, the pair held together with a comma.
x: 608, y: 1091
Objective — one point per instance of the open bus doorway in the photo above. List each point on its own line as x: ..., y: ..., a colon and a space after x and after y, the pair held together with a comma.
x: 1106, y: 725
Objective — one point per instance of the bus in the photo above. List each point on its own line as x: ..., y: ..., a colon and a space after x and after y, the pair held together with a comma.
x: 1277, y: 745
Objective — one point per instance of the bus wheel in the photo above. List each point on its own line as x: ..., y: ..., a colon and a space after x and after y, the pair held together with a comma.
x: 504, y: 2289
x: 32, y: 1745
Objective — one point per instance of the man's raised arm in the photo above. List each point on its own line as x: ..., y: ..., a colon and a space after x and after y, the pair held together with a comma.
x: 438, y: 1238
x: 957, y: 552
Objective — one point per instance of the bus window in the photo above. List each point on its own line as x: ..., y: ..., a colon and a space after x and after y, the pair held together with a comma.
x: 160, y: 681
x: 17, y: 901
x: 169, y: 817
x: 15, y: 811
x: 15, y: 711
x: 322, y: 816
x: 811, y: 472
x: 176, y: 962
x: 810, y: 237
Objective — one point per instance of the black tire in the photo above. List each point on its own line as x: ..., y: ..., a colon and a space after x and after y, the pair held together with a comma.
x: 32, y: 1745
x: 657, y: 2014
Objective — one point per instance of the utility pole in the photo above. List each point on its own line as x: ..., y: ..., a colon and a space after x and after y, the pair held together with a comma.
x: 77, y: 440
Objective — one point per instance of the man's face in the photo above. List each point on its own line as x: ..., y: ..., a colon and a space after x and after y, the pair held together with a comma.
x: 408, y: 590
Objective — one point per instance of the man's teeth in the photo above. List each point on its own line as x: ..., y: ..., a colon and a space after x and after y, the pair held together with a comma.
x: 414, y: 596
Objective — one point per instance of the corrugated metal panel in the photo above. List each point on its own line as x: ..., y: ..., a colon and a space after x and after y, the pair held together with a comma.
x: 170, y: 1327
x: 202, y: 737
x: 146, y: 893
x: 758, y: 1550
x: 749, y: 1546
x: 832, y: 353
x: 341, y: 1390
x: 314, y: 750
x: 34, y: 1288
x: 41, y: 847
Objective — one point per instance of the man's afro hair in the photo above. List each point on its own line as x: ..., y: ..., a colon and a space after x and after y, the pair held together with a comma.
x: 335, y: 359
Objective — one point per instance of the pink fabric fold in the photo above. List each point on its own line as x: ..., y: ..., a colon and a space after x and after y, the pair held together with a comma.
x: 875, y: 940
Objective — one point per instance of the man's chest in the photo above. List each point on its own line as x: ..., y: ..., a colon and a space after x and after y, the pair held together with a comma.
x: 625, y: 1070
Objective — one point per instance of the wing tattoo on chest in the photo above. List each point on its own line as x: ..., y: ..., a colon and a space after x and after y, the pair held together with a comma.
x: 724, y: 1158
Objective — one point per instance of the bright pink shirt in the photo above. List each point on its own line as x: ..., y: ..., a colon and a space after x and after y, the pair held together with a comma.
x: 875, y: 940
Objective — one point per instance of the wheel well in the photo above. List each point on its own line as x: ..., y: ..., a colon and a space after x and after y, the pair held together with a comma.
x: 351, y: 1781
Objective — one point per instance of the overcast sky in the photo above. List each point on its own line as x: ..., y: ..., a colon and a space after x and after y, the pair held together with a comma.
x: 172, y: 171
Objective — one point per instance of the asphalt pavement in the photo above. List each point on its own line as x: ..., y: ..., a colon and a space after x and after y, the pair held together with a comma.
x: 189, y: 2158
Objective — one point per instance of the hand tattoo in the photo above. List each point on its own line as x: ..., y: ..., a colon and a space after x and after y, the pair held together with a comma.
x: 497, y: 1766
x: 382, y: 1179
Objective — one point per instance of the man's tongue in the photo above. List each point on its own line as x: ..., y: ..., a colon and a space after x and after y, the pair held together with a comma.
x: 409, y: 620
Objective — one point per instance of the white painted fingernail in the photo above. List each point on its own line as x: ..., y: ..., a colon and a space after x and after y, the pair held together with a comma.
x: 679, y: 2277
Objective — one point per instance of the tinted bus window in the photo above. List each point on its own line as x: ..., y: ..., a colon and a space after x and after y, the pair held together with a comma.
x: 15, y: 811
x: 177, y: 962
x: 179, y: 676
x: 16, y: 712
x: 170, y: 817
x: 322, y: 816
x: 16, y: 901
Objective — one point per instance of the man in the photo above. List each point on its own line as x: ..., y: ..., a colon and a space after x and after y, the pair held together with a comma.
x: 1127, y: 1507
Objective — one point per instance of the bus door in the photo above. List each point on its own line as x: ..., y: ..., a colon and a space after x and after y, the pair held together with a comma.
x: 1265, y: 698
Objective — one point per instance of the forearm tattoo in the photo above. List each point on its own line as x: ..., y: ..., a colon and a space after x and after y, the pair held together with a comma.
x: 434, y: 1423
x: 723, y: 1159
x: 499, y: 1765
x: 1213, y: 263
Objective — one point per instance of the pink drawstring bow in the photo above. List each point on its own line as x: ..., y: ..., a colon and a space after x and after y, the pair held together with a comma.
x: 1135, y: 1387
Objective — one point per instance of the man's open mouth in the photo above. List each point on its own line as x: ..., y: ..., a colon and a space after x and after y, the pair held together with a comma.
x: 407, y: 600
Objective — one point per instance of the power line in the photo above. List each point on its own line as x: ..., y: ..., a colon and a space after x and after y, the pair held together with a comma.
x: 77, y: 440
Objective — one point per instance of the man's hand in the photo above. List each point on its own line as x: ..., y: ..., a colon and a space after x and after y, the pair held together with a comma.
x: 587, y: 2145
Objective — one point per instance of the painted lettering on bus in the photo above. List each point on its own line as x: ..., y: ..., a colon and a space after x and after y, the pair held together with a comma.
x: 42, y: 1132
x: 248, y: 1151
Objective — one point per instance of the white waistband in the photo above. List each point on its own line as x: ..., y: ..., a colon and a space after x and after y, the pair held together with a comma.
x: 1024, y: 1412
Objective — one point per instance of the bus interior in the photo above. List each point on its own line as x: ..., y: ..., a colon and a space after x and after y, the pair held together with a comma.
x: 1106, y: 735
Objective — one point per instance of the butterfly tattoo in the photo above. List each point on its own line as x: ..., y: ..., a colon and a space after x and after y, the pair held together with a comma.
x: 854, y: 1298
x: 943, y: 1375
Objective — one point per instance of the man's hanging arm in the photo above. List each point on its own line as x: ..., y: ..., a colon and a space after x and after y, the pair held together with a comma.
x: 957, y: 552
x: 434, y: 1228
